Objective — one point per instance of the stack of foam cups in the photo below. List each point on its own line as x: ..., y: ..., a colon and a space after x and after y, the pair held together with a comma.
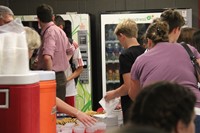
x: 19, y: 89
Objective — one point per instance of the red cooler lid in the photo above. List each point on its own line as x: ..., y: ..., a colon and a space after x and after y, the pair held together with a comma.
x: 21, y: 79
x: 45, y: 75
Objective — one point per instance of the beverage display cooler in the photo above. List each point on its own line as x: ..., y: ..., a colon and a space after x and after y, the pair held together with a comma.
x: 110, y: 46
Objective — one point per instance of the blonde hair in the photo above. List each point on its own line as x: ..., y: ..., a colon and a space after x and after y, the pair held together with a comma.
x: 33, y: 38
x: 128, y: 28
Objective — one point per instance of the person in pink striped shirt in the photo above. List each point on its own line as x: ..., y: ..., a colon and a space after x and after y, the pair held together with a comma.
x: 75, y: 69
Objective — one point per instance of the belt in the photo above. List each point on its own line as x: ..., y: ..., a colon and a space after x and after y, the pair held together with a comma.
x: 59, y: 72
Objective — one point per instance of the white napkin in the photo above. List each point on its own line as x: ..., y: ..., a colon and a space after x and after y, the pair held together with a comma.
x: 109, y: 106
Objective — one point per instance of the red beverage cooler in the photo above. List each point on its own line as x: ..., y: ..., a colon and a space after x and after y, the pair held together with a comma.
x: 19, y: 103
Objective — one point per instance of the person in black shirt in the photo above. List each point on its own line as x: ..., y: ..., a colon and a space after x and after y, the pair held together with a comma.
x: 127, y: 32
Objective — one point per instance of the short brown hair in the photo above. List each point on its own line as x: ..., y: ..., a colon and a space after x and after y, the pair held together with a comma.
x: 45, y: 13
x: 186, y: 35
x: 173, y: 18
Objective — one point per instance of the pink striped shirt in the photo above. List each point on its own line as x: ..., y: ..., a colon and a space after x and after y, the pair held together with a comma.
x: 55, y: 44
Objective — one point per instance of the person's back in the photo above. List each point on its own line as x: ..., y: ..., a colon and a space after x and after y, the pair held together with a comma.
x: 164, y: 62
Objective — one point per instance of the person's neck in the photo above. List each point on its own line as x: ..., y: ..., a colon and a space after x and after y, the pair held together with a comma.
x: 131, y: 42
x: 172, y: 38
x: 42, y: 24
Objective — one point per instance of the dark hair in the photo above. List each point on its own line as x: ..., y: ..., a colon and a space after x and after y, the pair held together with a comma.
x: 186, y: 35
x: 59, y: 21
x: 163, y: 105
x: 196, y: 40
x: 45, y: 13
x: 129, y: 128
x: 173, y: 18
x: 158, y: 32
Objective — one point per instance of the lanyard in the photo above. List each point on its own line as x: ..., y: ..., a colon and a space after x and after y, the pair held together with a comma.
x: 42, y: 36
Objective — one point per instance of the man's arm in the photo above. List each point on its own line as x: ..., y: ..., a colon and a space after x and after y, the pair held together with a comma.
x: 122, y: 90
x: 48, y: 62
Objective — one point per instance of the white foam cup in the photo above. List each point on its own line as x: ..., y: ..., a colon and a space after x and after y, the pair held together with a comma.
x: 79, y: 129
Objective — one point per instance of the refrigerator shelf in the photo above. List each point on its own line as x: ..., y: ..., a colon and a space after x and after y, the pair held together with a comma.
x: 111, y: 41
x: 112, y: 61
x: 112, y: 81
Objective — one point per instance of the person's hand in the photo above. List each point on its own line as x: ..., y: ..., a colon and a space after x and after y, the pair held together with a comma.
x: 118, y: 106
x: 110, y: 95
x: 34, y: 65
x: 85, y: 119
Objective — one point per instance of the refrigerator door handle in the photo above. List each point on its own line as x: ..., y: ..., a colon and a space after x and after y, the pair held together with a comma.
x: 6, y: 105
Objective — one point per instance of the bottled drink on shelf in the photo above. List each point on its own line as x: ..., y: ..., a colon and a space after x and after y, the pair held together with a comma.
x: 109, y: 52
x: 116, y: 51
x: 110, y: 74
x: 116, y: 74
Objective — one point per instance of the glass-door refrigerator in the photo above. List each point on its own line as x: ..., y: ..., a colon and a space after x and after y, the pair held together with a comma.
x: 110, y: 46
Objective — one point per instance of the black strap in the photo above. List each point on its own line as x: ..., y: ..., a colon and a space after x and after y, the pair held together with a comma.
x: 193, y: 60
x: 42, y: 36
x: 192, y: 57
x: 46, y: 30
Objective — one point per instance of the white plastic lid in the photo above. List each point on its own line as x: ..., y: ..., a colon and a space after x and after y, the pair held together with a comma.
x: 45, y: 75
x: 21, y: 79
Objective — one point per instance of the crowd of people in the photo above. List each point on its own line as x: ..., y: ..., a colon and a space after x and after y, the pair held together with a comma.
x: 158, y: 88
x: 34, y: 41
x: 166, y: 65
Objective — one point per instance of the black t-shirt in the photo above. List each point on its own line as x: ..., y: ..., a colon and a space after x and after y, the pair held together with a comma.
x: 126, y: 60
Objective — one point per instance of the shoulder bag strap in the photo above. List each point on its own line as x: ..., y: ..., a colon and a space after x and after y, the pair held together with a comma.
x: 192, y: 57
